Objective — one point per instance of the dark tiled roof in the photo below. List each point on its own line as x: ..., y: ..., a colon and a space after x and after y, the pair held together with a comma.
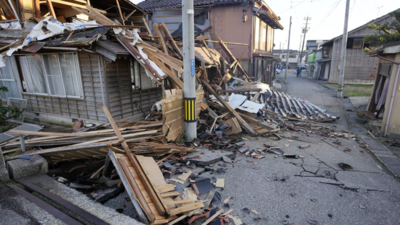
x: 150, y: 5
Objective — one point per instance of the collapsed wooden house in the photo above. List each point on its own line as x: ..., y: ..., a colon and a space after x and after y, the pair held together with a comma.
x: 72, y: 75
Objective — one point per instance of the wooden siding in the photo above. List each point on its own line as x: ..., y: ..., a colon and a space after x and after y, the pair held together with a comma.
x: 227, y: 24
x: 124, y: 102
x: 90, y: 107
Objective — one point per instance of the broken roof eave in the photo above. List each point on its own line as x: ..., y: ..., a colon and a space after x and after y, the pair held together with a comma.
x: 264, y: 10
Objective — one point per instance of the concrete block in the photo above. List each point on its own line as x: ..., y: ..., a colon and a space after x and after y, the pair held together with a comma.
x: 4, y: 174
x: 22, y: 168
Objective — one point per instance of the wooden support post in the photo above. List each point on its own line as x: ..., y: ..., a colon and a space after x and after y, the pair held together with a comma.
x: 37, y: 9
x: 120, y: 12
x: 155, y: 197
x: 51, y: 9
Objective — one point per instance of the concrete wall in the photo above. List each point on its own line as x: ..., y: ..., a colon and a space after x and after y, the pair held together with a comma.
x: 394, y: 122
x: 358, y: 64
x: 227, y: 24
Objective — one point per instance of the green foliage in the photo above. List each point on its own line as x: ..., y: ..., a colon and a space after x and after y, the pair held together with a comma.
x: 388, y: 32
x: 7, y: 111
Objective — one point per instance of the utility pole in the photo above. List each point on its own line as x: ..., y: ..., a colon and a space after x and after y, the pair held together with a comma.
x: 343, y: 57
x: 189, y: 73
x: 298, y: 60
x: 288, y: 46
x: 304, y: 38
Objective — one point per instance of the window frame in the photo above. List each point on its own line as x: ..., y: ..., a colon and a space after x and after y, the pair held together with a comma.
x: 15, y: 79
x: 45, y: 75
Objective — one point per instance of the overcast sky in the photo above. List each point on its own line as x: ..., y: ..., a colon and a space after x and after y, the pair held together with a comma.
x: 327, y: 17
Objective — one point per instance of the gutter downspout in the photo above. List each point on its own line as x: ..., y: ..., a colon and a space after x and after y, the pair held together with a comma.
x: 393, y: 92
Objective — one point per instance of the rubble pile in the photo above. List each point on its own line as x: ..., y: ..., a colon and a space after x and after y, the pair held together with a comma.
x: 148, y: 157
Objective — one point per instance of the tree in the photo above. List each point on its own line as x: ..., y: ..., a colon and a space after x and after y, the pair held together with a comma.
x: 388, y: 32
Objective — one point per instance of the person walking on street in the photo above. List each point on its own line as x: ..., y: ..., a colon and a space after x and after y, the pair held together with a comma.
x: 298, y: 72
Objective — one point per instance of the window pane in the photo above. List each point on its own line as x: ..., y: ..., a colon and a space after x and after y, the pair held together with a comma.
x: 51, y: 64
x: 54, y: 77
x: 357, y: 43
x: 12, y: 89
x: 6, y: 72
x: 69, y: 74
x: 263, y: 35
x: 33, y: 74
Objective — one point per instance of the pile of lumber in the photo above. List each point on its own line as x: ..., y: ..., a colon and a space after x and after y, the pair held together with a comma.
x: 142, y: 137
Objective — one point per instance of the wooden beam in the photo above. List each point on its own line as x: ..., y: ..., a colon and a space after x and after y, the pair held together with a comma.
x: 130, y: 14
x: 168, y: 71
x: 171, y: 39
x: 148, y: 28
x: 243, y: 123
x: 120, y: 12
x: 232, y: 58
x: 37, y: 9
x: 155, y: 197
x: 160, y: 40
x: 51, y: 8
x: 228, y: 43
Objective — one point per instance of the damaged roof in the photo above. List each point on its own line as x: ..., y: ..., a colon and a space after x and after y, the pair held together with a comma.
x: 261, y: 9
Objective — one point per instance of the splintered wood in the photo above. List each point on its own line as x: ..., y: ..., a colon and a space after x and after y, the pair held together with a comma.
x: 150, y: 171
x: 173, y: 111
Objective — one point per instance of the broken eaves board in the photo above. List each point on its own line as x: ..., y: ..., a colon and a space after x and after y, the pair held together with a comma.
x: 173, y: 111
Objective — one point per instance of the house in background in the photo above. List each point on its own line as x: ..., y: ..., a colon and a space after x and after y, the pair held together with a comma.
x: 293, y: 57
x: 360, y: 68
x: 249, y: 22
x: 384, y: 104
x: 313, y: 45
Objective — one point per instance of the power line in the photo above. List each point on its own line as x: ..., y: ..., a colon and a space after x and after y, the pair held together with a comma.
x: 291, y: 7
x: 355, y: 2
x: 327, y: 16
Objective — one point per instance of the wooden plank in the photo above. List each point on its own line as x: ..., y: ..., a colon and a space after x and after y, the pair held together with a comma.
x: 133, y: 179
x: 120, y: 12
x: 170, y: 194
x: 213, y: 217
x: 51, y: 8
x: 148, y: 28
x: 129, y: 15
x: 147, y: 184
x: 170, y: 74
x: 165, y: 188
x: 186, y: 208
x: 160, y: 40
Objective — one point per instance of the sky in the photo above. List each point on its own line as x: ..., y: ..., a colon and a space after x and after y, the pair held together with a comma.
x: 327, y: 17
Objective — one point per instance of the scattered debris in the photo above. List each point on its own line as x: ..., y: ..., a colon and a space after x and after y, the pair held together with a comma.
x: 304, y: 146
x: 345, y: 166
